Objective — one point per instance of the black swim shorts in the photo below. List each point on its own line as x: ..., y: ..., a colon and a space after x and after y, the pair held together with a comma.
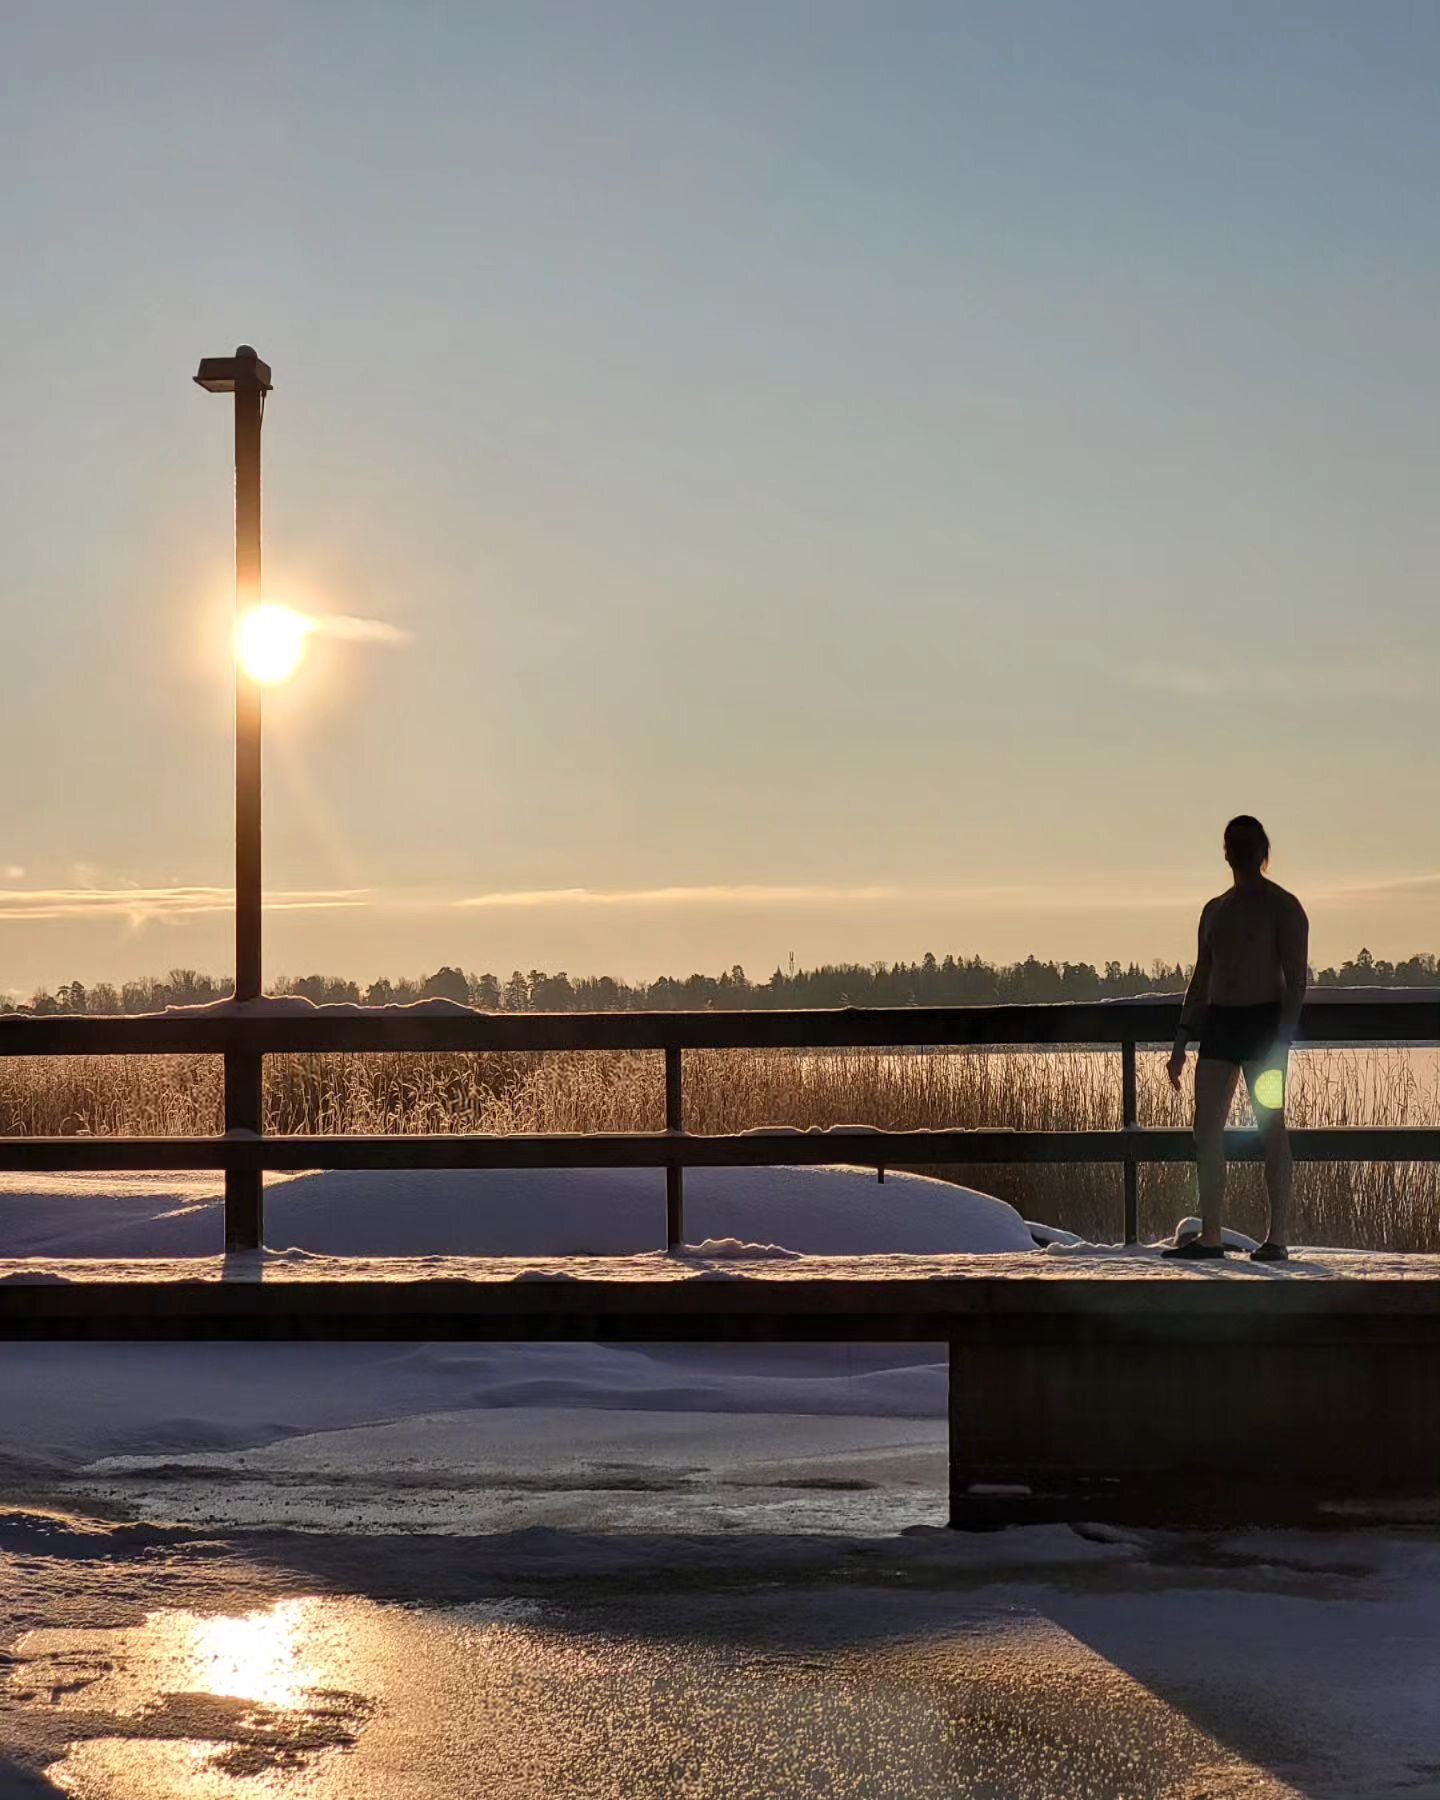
x: 1240, y: 1034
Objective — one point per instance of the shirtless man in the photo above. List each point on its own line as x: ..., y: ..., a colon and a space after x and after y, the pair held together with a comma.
x: 1244, y: 999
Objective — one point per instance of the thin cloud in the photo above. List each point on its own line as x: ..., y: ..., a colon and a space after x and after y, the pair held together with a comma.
x: 11, y: 872
x: 1393, y: 884
x: 720, y: 894
x: 1020, y: 896
x: 140, y: 905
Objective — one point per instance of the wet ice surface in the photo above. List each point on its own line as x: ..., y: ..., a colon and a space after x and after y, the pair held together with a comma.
x: 1033, y: 1663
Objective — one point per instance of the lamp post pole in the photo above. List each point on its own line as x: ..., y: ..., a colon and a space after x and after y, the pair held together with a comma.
x: 249, y: 408
x: 248, y: 379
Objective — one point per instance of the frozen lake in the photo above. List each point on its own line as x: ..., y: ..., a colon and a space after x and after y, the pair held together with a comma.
x: 1032, y: 1664
x: 538, y: 1572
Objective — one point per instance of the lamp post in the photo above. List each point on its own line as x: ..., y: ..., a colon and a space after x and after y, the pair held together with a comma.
x: 248, y: 379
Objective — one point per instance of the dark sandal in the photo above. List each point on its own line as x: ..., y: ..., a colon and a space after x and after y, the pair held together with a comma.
x: 1268, y: 1252
x: 1192, y: 1250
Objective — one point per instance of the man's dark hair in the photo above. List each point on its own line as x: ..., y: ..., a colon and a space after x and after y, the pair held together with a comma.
x: 1246, y: 843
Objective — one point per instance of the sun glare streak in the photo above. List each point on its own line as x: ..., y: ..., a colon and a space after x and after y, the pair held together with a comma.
x: 271, y: 643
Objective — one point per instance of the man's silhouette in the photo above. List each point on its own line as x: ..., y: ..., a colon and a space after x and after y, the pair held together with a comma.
x: 1244, y: 1000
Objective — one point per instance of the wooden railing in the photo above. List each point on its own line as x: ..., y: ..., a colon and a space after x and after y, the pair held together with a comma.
x: 244, y: 1038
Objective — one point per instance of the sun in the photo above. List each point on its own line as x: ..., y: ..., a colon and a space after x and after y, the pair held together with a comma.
x: 271, y: 643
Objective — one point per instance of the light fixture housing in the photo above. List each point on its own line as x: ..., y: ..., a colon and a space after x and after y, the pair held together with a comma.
x: 223, y: 374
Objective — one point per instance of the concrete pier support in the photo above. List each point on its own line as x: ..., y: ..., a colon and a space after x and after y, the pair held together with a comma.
x: 1242, y: 1430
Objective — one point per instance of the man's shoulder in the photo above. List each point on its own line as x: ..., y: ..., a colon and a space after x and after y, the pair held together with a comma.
x: 1284, y: 901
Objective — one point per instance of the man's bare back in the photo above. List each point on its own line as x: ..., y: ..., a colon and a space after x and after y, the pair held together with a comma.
x: 1253, y: 941
x: 1244, y: 1000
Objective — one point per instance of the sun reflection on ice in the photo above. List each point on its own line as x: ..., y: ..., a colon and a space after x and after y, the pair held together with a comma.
x: 788, y: 1695
x: 193, y: 1706
x: 266, y: 1656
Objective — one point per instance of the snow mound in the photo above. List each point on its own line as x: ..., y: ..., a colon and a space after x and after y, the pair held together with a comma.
x: 533, y: 1213
x: 736, y: 1251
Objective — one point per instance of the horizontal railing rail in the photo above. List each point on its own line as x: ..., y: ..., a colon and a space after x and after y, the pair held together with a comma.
x: 657, y: 1150
x: 213, y: 1031
x: 245, y: 1035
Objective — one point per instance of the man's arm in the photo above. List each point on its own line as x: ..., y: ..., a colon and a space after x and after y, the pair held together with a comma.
x: 1192, y: 1012
x: 1294, y: 945
x: 1197, y: 995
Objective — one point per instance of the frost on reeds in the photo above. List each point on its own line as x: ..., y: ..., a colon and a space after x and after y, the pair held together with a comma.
x: 1367, y: 1205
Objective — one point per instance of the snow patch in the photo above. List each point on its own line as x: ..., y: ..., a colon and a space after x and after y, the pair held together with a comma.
x: 296, y: 1006
x: 1051, y: 1234
x: 735, y: 1250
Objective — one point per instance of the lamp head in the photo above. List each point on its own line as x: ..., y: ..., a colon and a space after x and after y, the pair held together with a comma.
x: 224, y: 374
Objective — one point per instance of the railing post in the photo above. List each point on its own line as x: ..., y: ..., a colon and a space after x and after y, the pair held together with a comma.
x: 1129, y: 1108
x: 956, y: 1464
x: 674, y: 1173
x: 244, y: 1188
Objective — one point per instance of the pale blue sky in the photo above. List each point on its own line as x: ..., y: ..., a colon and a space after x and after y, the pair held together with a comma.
x: 927, y: 463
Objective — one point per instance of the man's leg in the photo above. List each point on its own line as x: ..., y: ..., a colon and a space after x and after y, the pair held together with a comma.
x: 1214, y: 1090
x: 1275, y: 1140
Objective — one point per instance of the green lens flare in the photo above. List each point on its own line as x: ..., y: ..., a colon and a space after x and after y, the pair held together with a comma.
x: 1270, y: 1089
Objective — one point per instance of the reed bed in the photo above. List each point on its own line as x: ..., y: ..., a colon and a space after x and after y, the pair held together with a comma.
x: 1365, y: 1205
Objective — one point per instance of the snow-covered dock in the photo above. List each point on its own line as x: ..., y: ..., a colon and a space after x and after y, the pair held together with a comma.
x: 1083, y: 1380
x: 1082, y: 1384
x: 1101, y: 1278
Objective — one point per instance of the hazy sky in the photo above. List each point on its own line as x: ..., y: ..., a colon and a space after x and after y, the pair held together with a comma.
x: 858, y: 478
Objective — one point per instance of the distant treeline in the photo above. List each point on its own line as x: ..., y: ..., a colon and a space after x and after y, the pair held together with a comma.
x: 933, y: 981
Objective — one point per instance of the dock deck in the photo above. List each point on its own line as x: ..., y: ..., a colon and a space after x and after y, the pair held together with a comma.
x: 897, y: 1297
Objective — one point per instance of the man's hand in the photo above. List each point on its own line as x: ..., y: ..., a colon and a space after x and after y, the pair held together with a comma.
x: 1175, y: 1068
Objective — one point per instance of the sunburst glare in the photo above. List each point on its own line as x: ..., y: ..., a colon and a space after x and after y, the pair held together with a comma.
x: 271, y: 642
